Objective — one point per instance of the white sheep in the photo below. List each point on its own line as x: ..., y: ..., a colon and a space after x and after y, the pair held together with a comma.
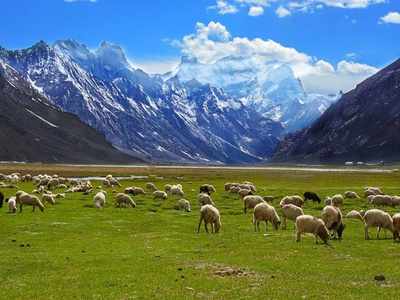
x: 207, y: 188
x: 351, y: 195
x: 375, y: 218
x: 368, y: 191
x: 204, y: 199
x: 160, y: 195
x: 333, y: 219
x: 291, y: 212
x: 49, y: 198
x: 184, y: 204
x: 23, y: 198
x: 134, y: 191
x: 228, y: 185
x: 265, y: 212
x: 378, y: 200
x: 210, y: 215
x: 12, y: 205
x: 99, y: 199
x: 176, y: 190
x: 125, y: 200
x: 151, y: 187
x: 310, y: 224
x: 244, y: 192
x: 336, y: 200
x: 249, y: 202
x: 167, y: 188
x: 234, y: 189
x: 295, y: 199
x: 396, y: 226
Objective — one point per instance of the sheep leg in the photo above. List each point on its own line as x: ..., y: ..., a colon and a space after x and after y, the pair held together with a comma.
x: 20, y: 208
x: 366, y: 232
x: 33, y: 208
x: 258, y: 226
x: 205, y: 226
x: 212, y: 228
x: 379, y: 231
x: 298, y: 236
x: 266, y: 226
x: 284, y: 223
x: 198, y: 228
x: 255, y: 225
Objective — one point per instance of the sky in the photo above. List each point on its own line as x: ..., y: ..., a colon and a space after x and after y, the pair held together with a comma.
x: 327, y: 42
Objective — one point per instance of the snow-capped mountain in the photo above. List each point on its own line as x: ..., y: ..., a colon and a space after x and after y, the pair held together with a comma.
x: 270, y: 88
x: 149, y: 116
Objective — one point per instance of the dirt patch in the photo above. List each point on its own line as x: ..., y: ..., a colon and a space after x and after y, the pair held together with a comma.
x: 220, y: 270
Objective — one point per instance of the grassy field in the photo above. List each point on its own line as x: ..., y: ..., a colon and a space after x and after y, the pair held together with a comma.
x: 73, y: 251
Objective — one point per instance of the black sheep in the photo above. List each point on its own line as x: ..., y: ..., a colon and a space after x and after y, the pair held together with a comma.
x: 1, y: 199
x: 311, y: 196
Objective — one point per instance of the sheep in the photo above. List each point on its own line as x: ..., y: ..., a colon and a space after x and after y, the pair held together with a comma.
x: 184, y: 204
x: 122, y: 199
x: 167, y: 188
x: 160, y: 195
x: 368, y: 191
x: 234, y: 189
x: 378, y: 200
x: 336, y: 200
x: 355, y: 214
x: 99, y: 199
x: 244, y: 192
x: 204, y: 199
x: 351, y: 195
x: 228, y: 185
x: 151, y: 187
x: 207, y: 188
x: 250, y: 187
x: 310, y: 224
x: 210, y: 215
x: 265, y: 212
x: 268, y: 198
x: 396, y: 226
x: 291, y: 212
x: 296, y: 200
x: 23, y: 198
x: 375, y: 218
x: 114, y: 182
x: 395, y: 200
x: 333, y: 219
x: 250, y: 202
x: 48, y: 198
x: 12, y: 205
x: 176, y: 190
x: 312, y: 196
x: 134, y: 191
x: 1, y: 199
x: 106, y: 183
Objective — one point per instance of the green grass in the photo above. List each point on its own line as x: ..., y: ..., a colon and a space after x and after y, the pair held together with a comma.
x: 154, y: 252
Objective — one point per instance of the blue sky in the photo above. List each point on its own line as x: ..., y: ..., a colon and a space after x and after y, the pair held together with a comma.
x: 152, y: 32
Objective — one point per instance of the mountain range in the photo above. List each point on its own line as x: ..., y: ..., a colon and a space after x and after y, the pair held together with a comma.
x: 199, y: 113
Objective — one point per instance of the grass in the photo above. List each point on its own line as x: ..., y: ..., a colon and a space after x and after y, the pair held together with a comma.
x: 153, y: 252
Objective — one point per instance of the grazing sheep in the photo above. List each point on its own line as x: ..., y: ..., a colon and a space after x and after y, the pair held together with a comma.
x: 336, y: 200
x: 333, y: 219
x: 23, y: 198
x: 250, y: 187
x: 265, y: 212
x: 176, y: 190
x: 106, y: 183
x: 12, y: 205
x: 368, y: 191
x: 355, y: 214
x: 99, y: 199
x: 396, y: 226
x: 160, y: 195
x: 134, y: 191
x: 312, y: 196
x: 269, y: 199
x: 351, y: 195
x: 125, y: 200
x: 48, y: 198
x: 207, y: 188
x: 250, y: 202
x: 210, y: 215
x: 395, y: 200
x: 151, y: 187
x: 227, y: 186
x: 234, y: 189
x: 380, y: 200
x: 244, y: 192
x: 1, y: 199
x: 205, y: 199
x: 310, y: 224
x: 184, y: 204
x: 167, y: 188
x: 291, y: 212
x: 375, y: 218
x: 296, y: 200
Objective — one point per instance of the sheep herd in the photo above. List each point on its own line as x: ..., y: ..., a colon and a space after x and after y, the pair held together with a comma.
x: 328, y: 225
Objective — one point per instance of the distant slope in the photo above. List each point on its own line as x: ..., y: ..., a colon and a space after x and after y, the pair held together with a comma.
x: 364, y: 125
x: 33, y: 130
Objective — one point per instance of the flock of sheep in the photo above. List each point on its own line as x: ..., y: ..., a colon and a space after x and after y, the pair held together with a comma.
x: 329, y: 225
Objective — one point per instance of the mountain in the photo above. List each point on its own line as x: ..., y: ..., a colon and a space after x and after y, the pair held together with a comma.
x: 34, y: 130
x: 157, y: 118
x: 363, y: 125
x: 270, y: 88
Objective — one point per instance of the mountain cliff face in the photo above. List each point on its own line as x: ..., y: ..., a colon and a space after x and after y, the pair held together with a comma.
x: 177, y: 117
x: 34, y: 130
x: 362, y: 126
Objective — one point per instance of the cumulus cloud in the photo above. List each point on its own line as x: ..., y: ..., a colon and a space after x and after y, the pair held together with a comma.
x: 156, y: 66
x: 224, y: 8
x: 392, y: 17
x: 256, y: 11
x: 213, y: 42
x: 282, y: 12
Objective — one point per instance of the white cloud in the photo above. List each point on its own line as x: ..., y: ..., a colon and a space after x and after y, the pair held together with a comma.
x: 213, y: 42
x: 392, y: 17
x: 256, y: 11
x: 282, y: 12
x: 224, y: 8
x: 160, y: 66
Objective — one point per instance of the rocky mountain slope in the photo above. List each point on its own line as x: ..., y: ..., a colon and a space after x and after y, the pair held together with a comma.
x: 363, y: 125
x: 34, y: 130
